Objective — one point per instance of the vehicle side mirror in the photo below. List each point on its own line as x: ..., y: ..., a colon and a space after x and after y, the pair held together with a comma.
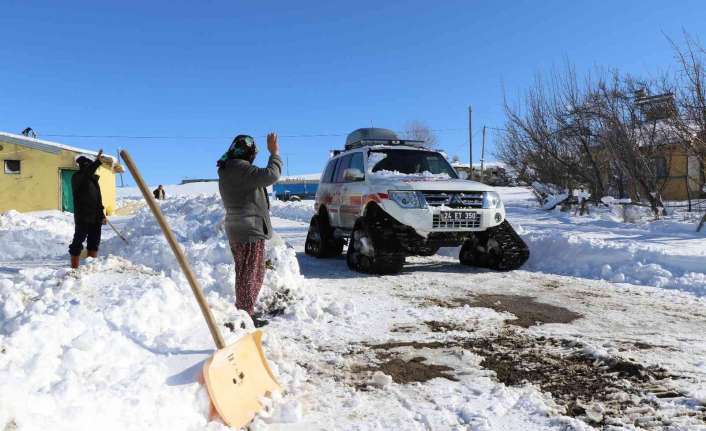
x: 353, y: 174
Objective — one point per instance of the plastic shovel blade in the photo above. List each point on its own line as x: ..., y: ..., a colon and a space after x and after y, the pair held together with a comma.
x: 237, y: 376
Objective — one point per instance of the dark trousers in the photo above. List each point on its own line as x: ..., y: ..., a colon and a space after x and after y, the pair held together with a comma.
x: 82, y: 231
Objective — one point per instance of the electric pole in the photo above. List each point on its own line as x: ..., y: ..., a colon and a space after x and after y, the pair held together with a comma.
x: 470, y: 143
x: 482, y: 155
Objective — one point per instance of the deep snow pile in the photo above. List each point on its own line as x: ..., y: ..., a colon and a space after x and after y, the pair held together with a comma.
x: 115, y: 345
x: 119, y: 343
x: 197, y: 223
x: 42, y: 234
x: 667, y: 253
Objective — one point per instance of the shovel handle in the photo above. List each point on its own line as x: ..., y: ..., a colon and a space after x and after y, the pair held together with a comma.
x: 178, y: 253
x: 116, y: 231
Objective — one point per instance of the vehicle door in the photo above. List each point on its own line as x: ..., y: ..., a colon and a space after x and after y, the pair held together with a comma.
x: 352, y: 191
x: 337, y: 190
x: 324, y: 194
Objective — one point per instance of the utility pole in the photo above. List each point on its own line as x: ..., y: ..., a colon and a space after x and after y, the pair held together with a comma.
x: 470, y: 143
x: 287, y: 155
x: 482, y: 155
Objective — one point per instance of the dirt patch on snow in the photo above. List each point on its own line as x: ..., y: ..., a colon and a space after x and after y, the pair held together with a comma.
x: 409, y: 371
x: 528, y: 311
x: 600, y: 391
x: 436, y: 326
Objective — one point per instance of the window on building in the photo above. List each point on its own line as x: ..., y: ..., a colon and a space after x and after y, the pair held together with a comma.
x: 12, y: 166
x: 661, y: 170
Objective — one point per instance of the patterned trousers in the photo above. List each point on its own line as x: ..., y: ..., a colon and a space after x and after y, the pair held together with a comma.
x: 249, y: 273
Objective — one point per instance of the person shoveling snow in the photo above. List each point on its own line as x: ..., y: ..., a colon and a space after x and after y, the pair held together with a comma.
x: 243, y: 188
x: 89, y: 215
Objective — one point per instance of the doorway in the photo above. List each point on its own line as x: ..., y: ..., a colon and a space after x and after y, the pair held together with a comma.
x: 67, y: 194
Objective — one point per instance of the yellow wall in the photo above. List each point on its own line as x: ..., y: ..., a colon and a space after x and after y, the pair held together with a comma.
x: 675, y: 187
x: 38, y: 186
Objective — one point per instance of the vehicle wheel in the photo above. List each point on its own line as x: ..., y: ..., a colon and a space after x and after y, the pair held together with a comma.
x: 499, y: 248
x: 320, y: 242
x: 365, y: 256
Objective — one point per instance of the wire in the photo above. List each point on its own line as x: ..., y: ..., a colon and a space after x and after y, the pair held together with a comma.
x: 306, y: 135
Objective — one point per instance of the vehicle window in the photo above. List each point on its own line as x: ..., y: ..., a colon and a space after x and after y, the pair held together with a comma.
x: 357, y: 162
x: 341, y: 167
x: 328, y: 173
x: 412, y: 162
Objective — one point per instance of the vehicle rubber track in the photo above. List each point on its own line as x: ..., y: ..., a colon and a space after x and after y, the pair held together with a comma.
x: 499, y: 248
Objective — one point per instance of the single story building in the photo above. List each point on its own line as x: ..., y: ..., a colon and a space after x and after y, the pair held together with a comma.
x: 36, y: 174
x: 297, y: 187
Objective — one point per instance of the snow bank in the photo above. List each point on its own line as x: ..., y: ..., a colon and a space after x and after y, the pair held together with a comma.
x: 115, y: 345
x: 120, y: 342
x: 197, y: 223
x: 298, y: 211
x: 667, y: 253
x: 35, y: 235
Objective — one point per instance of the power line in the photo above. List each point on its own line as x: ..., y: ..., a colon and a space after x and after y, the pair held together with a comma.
x: 158, y: 137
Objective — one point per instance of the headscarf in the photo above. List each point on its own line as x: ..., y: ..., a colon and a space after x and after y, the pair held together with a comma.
x: 243, y: 147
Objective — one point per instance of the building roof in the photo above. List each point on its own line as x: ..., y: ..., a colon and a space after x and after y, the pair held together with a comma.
x: 52, y: 147
x: 304, y: 178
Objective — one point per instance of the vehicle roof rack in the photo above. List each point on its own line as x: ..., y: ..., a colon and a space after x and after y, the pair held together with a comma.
x: 372, y: 142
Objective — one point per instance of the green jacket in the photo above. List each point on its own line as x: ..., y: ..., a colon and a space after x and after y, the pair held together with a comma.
x: 243, y: 190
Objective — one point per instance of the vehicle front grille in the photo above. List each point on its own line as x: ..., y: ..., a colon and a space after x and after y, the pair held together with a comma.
x: 454, y: 199
x: 473, y: 223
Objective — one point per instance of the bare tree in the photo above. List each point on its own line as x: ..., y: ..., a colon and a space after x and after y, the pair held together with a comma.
x: 691, y: 105
x: 550, y: 138
x: 601, y: 135
x: 634, y: 137
x: 419, y: 131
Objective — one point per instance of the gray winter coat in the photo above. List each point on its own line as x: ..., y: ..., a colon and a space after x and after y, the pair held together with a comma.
x: 243, y: 190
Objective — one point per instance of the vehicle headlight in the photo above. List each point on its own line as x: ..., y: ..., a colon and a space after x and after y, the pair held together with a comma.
x: 407, y: 199
x: 492, y: 200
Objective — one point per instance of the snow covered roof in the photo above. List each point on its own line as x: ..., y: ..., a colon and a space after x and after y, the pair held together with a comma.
x: 296, y: 178
x: 477, y: 165
x: 48, y: 146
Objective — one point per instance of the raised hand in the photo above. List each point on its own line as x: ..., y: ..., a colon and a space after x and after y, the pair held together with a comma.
x: 272, y: 144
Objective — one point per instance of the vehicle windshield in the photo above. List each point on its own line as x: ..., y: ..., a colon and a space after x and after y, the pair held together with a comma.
x: 410, y: 162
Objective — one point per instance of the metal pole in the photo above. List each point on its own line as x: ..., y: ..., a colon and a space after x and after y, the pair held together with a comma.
x: 470, y: 142
x: 482, y: 155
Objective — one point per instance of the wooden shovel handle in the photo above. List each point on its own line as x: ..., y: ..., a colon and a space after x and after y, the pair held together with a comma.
x: 178, y: 253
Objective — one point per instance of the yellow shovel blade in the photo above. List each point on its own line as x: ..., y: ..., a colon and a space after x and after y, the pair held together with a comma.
x: 236, y: 377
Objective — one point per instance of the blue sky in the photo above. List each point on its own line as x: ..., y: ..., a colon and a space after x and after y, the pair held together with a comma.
x: 205, y: 71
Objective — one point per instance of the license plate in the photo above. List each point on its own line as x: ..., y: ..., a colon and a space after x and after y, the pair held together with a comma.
x: 457, y: 215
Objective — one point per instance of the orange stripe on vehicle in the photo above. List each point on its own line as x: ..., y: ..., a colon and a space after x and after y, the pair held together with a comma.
x: 356, y: 200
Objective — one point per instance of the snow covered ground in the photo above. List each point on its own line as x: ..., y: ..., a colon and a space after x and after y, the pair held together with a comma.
x: 118, y: 344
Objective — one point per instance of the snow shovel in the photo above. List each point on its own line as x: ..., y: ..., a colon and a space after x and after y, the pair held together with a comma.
x: 116, y: 231
x: 236, y: 376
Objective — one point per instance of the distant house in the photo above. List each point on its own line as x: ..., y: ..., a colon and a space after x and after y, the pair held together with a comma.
x: 494, y: 173
x: 680, y: 174
x: 37, y: 174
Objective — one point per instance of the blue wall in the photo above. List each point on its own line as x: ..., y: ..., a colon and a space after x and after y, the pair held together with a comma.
x: 304, y: 191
